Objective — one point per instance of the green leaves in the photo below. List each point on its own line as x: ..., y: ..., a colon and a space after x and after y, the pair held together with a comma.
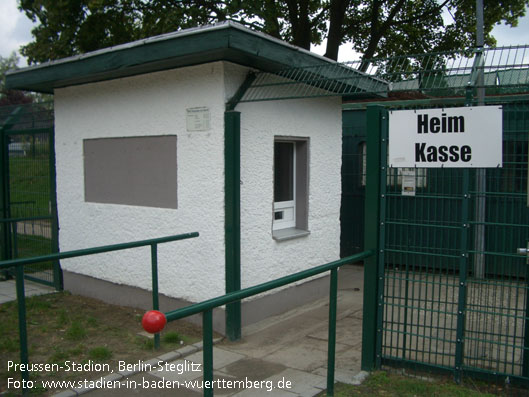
x: 373, y: 27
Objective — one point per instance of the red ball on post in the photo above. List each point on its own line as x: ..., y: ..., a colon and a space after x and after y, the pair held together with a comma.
x: 153, y: 321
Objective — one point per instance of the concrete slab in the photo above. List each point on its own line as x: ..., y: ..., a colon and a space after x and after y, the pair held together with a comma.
x: 299, y: 382
x: 8, y: 292
x: 253, y: 369
x: 221, y: 357
x: 307, y: 355
x: 349, y: 360
x: 348, y: 331
x: 339, y: 375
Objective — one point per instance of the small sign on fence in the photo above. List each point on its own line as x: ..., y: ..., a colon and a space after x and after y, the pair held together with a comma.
x: 463, y: 137
x: 409, y: 186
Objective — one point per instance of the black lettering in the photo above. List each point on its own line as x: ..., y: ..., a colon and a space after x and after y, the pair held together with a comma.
x: 434, y: 125
x: 443, y: 120
x: 419, y: 152
x: 422, y: 124
x: 466, y: 153
x: 432, y: 154
x: 443, y: 154
x: 454, y: 153
x: 456, y: 124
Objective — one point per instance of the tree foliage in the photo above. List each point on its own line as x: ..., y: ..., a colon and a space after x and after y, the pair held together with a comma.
x: 372, y: 27
x: 15, y: 97
x: 10, y: 97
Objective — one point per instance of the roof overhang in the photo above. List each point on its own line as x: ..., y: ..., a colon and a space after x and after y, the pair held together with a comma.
x: 226, y: 41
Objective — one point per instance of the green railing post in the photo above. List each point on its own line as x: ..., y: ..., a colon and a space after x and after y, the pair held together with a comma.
x: 207, y: 352
x: 22, y: 328
x: 372, y: 231
x: 155, y: 301
x: 331, y: 349
x: 232, y: 200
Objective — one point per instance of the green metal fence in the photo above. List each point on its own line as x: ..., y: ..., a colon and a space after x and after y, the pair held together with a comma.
x: 28, y: 201
x: 353, y: 182
x: 453, y: 293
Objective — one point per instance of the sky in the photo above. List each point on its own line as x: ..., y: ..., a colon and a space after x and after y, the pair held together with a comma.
x: 15, y: 31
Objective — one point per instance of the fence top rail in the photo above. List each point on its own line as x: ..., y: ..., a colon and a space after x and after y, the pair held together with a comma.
x: 257, y: 289
x: 30, y: 131
x: 95, y: 250
x: 26, y: 219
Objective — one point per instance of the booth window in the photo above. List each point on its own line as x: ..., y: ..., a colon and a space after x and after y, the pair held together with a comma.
x: 137, y: 171
x: 291, y: 170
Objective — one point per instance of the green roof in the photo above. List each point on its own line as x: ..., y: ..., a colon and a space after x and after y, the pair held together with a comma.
x: 226, y: 41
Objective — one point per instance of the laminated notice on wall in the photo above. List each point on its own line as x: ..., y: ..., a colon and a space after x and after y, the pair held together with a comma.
x: 408, y: 182
x: 198, y: 119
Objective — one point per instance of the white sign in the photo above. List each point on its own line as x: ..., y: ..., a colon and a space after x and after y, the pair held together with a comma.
x: 198, y: 119
x: 452, y: 137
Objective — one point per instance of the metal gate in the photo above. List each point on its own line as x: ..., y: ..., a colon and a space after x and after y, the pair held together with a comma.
x: 452, y: 291
x: 29, y: 216
x: 353, y: 183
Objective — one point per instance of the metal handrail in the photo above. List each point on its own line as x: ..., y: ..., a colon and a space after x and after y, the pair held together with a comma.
x: 19, y: 264
x: 206, y: 308
x: 94, y: 250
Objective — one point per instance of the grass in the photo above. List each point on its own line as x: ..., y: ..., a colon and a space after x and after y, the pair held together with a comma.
x: 76, y: 331
x: 29, y: 179
x: 172, y: 337
x: 64, y: 327
x: 100, y: 353
x: 392, y: 385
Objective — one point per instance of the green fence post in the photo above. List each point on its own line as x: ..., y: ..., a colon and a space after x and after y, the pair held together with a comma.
x: 57, y: 272
x: 463, y: 268
x: 4, y: 189
x: 525, y: 355
x: 22, y: 330
x: 207, y: 352
x: 232, y: 199
x: 155, y: 301
x: 15, y: 239
x: 331, y: 348
x: 5, y: 234
x: 372, y: 225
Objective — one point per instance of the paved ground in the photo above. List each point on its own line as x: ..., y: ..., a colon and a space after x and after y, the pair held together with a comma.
x: 282, y: 356
x: 8, y: 291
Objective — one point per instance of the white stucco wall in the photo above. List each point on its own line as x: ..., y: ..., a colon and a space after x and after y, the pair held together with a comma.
x: 156, y: 104
x: 153, y: 104
x: 263, y: 258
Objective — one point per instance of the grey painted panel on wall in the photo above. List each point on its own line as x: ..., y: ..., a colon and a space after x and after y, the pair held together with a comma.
x: 132, y: 171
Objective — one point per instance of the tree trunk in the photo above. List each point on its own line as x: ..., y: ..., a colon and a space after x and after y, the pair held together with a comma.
x: 369, y: 53
x: 335, y: 36
x: 299, y: 18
